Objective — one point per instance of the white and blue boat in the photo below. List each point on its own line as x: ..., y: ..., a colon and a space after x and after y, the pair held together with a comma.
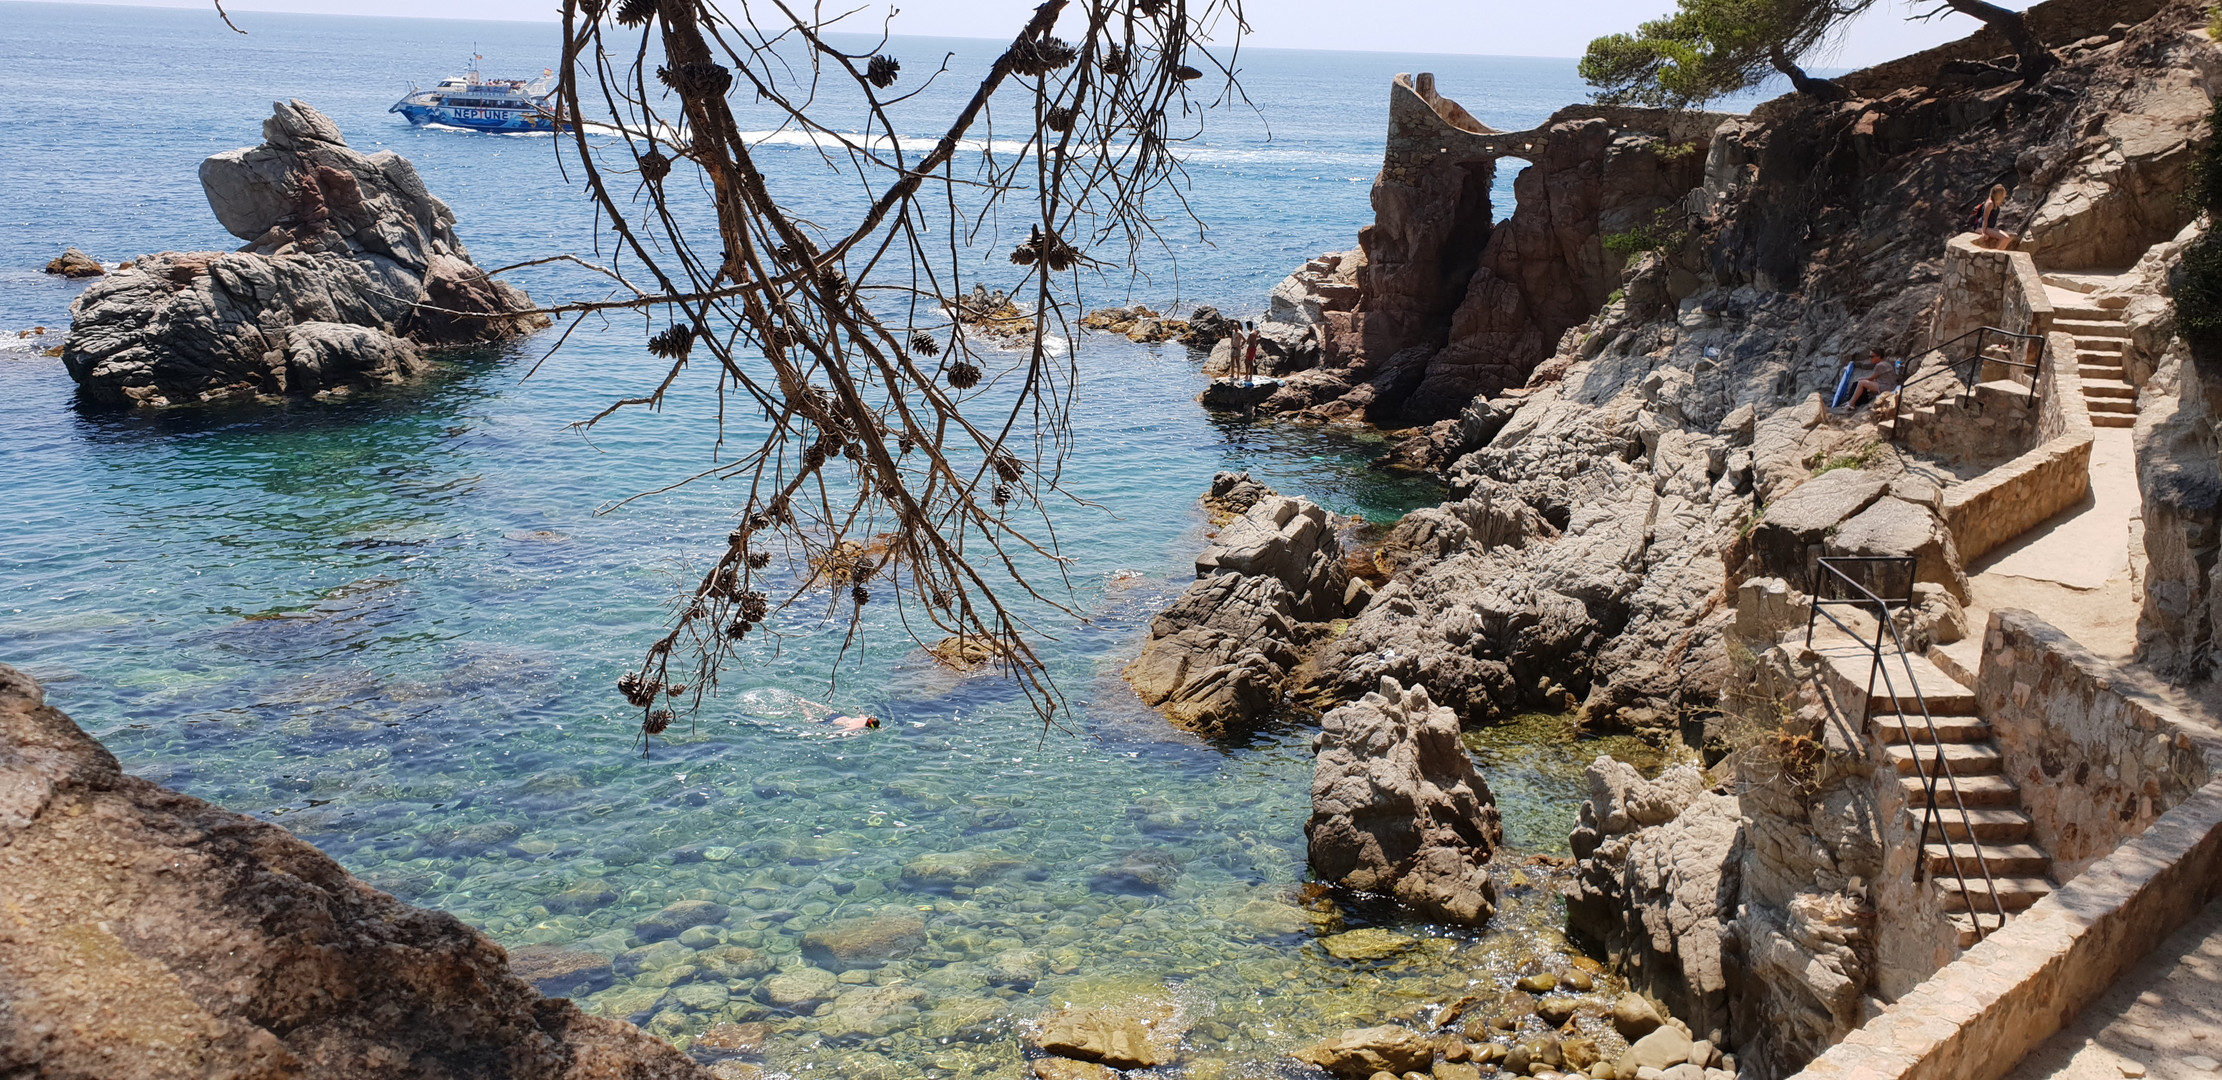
x: 476, y: 103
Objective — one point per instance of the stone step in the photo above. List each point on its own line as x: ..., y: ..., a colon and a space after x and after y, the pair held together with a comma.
x: 2101, y: 372
x: 2108, y: 389
x: 1987, y: 824
x: 2099, y: 405
x: 2014, y: 893
x: 1943, y: 695
x: 1966, y: 925
x: 2084, y: 329
x: 1963, y: 759
x: 2004, y: 860
x: 2085, y: 312
x: 1898, y: 728
x: 1973, y: 791
x: 2113, y: 420
x: 2103, y: 346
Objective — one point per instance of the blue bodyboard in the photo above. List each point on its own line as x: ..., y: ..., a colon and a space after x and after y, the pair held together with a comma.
x: 1843, y: 387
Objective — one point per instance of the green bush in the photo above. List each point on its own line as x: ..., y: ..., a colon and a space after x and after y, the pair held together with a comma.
x: 1661, y: 233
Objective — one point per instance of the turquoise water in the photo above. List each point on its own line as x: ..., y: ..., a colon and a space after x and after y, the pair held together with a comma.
x: 393, y: 624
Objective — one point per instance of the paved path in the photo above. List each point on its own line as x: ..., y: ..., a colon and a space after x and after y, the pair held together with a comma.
x: 2161, y: 1019
x: 2076, y: 570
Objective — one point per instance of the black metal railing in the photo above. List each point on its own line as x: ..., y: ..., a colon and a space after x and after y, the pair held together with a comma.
x: 1832, y: 585
x: 1968, y: 369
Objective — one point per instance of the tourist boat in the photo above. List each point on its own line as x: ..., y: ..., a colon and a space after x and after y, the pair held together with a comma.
x: 476, y: 103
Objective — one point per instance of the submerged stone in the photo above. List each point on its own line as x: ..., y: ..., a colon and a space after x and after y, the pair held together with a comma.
x: 560, y: 972
x: 799, y: 987
x: 1358, y: 1054
x: 869, y: 941
x: 1368, y: 943
x: 679, y: 918
x: 1143, y: 1035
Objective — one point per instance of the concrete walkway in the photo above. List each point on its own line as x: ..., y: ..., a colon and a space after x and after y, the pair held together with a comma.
x: 2161, y: 1019
x: 2077, y: 570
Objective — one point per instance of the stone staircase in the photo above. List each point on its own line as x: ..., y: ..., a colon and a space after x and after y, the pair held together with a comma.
x: 1993, y: 821
x: 2101, y: 337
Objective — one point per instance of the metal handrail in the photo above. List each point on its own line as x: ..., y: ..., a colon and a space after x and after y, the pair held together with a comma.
x: 1832, y: 567
x: 1974, y: 362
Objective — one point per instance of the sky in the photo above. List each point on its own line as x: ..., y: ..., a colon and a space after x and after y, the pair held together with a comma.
x: 1484, y: 27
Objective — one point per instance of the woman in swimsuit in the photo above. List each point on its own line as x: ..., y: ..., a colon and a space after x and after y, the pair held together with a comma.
x: 1987, y: 218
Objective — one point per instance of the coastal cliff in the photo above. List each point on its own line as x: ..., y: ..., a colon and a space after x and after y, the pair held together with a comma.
x: 152, y: 935
x: 1643, y: 459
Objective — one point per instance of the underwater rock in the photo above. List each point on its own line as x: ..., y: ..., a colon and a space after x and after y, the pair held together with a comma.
x: 940, y: 871
x: 1143, y: 1035
x: 560, y: 972
x: 1057, y: 1068
x: 151, y: 926
x: 872, y: 1012
x: 1367, y: 943
x: 1358, y: 1054
x: 730, y: 1039
x: 1398, y: 808
x: 734, y: 962
x: 799, y: 988
x: 1137, y: 872
x: 865, y: 942
x: 350, y: 266
x: 680, y: 917
x: 1019, y: 968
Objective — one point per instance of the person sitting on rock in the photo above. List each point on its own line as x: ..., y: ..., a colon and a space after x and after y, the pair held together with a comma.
x: 1987, y: 220
x: 1882, y: 378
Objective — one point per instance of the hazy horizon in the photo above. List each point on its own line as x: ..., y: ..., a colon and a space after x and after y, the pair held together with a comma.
x: 1428, y: 27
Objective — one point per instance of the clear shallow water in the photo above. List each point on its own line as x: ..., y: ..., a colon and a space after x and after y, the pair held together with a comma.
x: 392, y: 624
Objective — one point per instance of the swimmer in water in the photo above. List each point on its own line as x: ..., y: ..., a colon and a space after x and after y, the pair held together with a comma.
x: 817, y: 712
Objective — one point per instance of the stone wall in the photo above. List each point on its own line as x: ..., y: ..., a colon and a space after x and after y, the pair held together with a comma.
x: 1985, y: 1011
x: 2007, y: 501
x: 1983, y: 287
x: 2096, y: 763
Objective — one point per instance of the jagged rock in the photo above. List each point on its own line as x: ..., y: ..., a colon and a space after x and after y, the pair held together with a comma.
x: 865, y: 942
x: 149, y: 925
x: 1398, y: 808
x: 1891, y: 526
x: 1237, y: 395
x: 1234, y: 493
x: 1140, y: 1035
x: 73, y: 263
x: 1655, y: 888
x: 1358, y: 1054
x: 1220, y: 654
x: 1805, y: 516
x: 351, y: 264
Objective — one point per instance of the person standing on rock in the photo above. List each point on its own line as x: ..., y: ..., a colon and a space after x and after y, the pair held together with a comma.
x: 1246, y: 352
x: 1987, y: 220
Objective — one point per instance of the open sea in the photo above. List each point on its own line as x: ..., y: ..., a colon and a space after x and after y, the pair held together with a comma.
x: 392, y: 624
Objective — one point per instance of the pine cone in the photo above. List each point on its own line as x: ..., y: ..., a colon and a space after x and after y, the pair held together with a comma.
x: 963, y: 375
x: 635, y: 12
x: 675, y: 342
x: 654, y: 166
x: 883, y: 70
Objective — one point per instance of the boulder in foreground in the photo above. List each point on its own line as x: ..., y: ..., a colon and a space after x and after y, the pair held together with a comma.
x: 351, y: 267
x: 150, y: 934
x: 1398, y: 808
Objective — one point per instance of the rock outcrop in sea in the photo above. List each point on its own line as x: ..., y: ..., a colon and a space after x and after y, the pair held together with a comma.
x: 351, y: 272
x: 1397, y: 807
x: 149, y: 934
x: 1273, y: 577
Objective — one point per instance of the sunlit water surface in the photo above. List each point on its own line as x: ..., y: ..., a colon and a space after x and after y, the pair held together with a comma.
x: 392, y: 624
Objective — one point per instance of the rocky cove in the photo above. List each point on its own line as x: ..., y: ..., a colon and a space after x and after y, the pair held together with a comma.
x: 1639, y: 471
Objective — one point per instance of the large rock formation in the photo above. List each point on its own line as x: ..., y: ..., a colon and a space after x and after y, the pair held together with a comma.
x: 1222, y: 653
x: 1656, y: 886
x: 351, y: 267
x: 1397, y: 806
x: 1442, y: 303
x: 149, y: 934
